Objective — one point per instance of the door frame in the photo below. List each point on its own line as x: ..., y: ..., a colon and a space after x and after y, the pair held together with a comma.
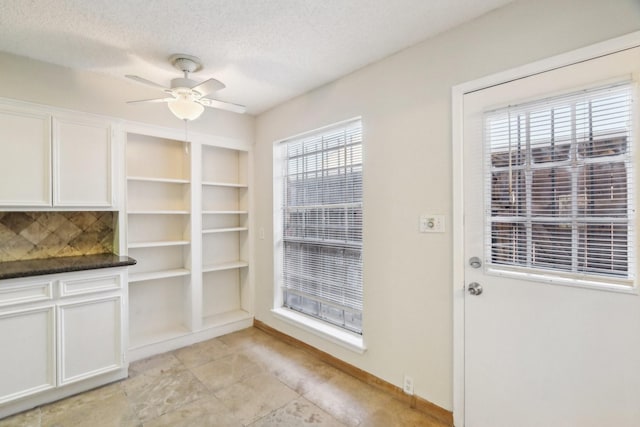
x: 457, y: 113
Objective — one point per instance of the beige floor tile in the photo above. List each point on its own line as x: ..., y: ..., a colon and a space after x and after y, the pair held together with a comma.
x: 255, y: 397
x: 203, y: 352
x: 302, y: 372
x: 103, y: 407
x: 153, y: 395
x: 349, y: 400
x: 299, y: 412
x: 294, y: 367
x: 245, y: 339
x: 25, y: 419
x: 154, y: 365
x: 226, y: 371
x: 208, y: 412
x: 271, y: 353
x: 397, y: 414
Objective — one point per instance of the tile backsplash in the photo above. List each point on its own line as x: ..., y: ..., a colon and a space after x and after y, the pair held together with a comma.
x: 34, y: 235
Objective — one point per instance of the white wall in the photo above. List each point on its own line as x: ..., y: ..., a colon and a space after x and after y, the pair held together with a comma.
x: 405, y: 104
x: 34, y: 81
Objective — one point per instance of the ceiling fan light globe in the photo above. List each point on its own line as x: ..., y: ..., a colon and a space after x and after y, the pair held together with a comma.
x: 185, y: 109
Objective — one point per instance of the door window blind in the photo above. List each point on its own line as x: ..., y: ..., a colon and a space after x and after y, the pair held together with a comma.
x: 322, y: 225
x: 559, y: 185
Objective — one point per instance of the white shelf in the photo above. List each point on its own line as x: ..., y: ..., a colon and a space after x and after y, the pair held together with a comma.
x: 135, y: 245
x: 225, y: 266
x: 224, y: 230
x: 225, y: 318
x: 224, y: 184
x: 140, y: 277
x: 225, y: 212
x: 159, y: 180
x: 158, y: 212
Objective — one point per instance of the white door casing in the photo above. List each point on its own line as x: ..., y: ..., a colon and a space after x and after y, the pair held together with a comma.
x: 531, y: 353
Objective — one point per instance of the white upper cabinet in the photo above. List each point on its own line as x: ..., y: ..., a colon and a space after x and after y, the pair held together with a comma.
x: 55, y: 159
x: 25, y: 158
x: 83, y: 157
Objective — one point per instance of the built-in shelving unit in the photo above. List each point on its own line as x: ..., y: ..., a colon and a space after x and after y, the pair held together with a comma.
x: 225, y: 229
x: 158, y: 237
x: 188, y: 227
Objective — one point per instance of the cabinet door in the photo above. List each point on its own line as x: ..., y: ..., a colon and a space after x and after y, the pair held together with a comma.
x: 83, y: 153
x: 27, y: 358
x: 25, y: 158
x: 90, y: 338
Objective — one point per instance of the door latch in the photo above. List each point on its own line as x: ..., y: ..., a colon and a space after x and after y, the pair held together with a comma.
x: 475, y: 262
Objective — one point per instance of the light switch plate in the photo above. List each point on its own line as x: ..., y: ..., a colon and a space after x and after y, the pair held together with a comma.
x: 430, y: 223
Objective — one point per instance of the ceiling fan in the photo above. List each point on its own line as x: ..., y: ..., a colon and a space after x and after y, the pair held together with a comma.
x: 188, y: 97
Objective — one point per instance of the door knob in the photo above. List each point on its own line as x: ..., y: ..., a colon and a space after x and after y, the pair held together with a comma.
x: 475, y: 288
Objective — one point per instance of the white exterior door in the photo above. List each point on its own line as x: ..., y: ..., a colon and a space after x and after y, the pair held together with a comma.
x: 538, y: 351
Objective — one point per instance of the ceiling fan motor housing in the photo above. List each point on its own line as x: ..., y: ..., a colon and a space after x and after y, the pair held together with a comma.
x: 182, y: 82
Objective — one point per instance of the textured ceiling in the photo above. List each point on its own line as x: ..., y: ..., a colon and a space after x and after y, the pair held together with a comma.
x: 265, y: 51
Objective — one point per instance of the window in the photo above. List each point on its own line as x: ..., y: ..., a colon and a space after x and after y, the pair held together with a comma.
x: 321, y: 253
x: 560, y: 186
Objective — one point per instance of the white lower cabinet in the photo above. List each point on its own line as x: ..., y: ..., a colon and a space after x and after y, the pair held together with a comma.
x: 61, y: 334
x: 27, y: 359
x: 90, y: 338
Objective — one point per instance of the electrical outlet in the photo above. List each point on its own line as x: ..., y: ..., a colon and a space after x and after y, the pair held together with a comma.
x: 407, y: 385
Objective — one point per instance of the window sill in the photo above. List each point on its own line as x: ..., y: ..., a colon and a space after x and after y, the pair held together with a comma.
x: 334, y: 334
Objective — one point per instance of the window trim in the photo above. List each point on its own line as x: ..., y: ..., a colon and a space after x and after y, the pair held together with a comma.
x: 335, y: 334
x: 625, y: 285
x: 343, y: 337
x: 573, y: 280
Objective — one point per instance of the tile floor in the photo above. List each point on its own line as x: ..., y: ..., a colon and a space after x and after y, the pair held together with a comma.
x: 247, y: 378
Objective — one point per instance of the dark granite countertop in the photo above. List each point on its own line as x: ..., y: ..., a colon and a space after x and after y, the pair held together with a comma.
x: 38, y: 267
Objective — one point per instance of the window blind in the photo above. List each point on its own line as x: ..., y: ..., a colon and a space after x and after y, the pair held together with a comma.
x: 322, y: 225
x: 560, y: 186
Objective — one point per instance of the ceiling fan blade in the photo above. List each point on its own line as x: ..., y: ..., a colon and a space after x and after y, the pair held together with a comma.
x: 214, y: 103
x: 208, y: 86
x: 145, y: 81
x: 151, y: 100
